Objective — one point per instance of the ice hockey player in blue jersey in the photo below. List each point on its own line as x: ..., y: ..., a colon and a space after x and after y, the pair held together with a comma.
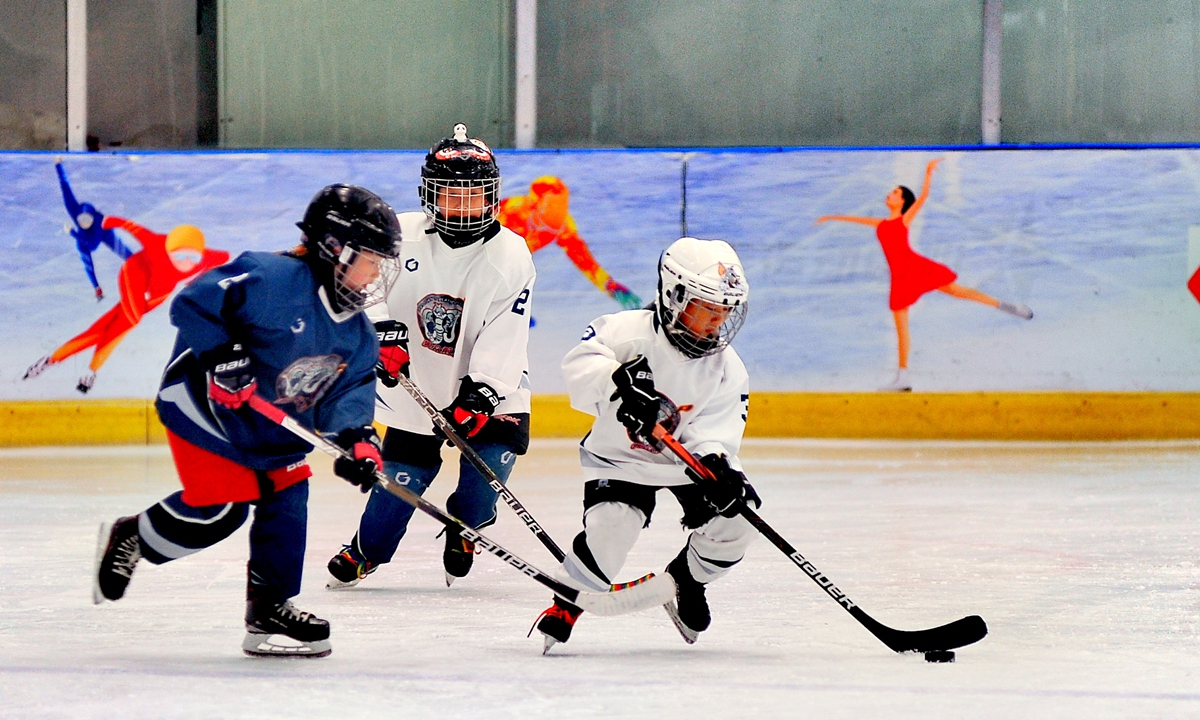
x: 289, y: 327
x: 88, y: 231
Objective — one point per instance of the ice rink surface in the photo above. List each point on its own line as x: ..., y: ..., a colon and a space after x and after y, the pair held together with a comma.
x: 1081, y: 557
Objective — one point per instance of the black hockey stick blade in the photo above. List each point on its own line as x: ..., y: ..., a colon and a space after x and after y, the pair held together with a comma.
x: 630, y: 597
x: 964, y: 631
x: 490, y: 475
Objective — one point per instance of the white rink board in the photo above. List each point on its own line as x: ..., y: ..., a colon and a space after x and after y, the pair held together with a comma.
x: 1082, y: 558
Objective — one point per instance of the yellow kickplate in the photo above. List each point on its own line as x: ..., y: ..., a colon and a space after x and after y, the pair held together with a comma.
x: 990, y: 416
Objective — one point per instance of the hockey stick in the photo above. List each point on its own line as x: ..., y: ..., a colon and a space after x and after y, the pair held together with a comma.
x: 473, y: 457
x: 961, y: 632
x: 656, y: 590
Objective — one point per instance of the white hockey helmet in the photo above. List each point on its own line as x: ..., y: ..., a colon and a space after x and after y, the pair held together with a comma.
x: 705, y: 275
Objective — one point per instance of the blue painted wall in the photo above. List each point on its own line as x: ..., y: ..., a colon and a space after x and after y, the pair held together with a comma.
x: 1094, y: 240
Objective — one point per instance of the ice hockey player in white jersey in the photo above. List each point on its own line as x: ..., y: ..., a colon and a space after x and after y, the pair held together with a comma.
x: 464, y: 304
x: 671, y: 364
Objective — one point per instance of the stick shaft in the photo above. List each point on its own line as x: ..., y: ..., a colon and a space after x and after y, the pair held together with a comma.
x: 289, y: 423
x: 759, y: 524
x: 490, y: 475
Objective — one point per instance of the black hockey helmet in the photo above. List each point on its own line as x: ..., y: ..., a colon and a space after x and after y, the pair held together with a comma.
x: 460, y: 188
x: 342, y: 223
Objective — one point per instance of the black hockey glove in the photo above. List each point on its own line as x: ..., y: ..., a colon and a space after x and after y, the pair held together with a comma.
x: 230, y: 382
x: 638, y: 410
x: 472, y: 409
x: 729, y: 490
x: 365, y: 459
x: 393, y: 352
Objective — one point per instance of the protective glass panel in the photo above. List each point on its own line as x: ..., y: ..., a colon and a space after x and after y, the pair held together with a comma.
x: 1101, y: 71
x: 362, y: 74
x: 33, y: 75
x: 681, y: 73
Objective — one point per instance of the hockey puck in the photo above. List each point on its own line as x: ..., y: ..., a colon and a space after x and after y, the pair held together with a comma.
x: 939, y: 656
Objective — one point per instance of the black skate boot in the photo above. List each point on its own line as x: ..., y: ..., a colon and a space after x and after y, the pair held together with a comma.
x: 275, y: 628
x: 347, y: 568
x: 689, y: 611
x: 555, y: 623
x: 458, y: 556
x: 118, y: 550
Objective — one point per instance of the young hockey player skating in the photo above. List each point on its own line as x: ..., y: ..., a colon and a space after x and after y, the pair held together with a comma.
x: 287, y: 326
x: 466, y: 299
x: 672, y: 365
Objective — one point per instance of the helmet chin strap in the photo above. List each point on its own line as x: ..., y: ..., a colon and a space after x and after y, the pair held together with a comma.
x: 461, y: 239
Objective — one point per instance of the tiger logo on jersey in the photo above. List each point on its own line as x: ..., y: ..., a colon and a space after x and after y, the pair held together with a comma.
x: 440, y: 318
x: 304, y: 381
x: 668, y: 417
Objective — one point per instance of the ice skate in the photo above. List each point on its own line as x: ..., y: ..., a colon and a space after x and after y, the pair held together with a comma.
x: 689, y: 610
x: 347, y: 569
x: 458, y: 556
x: 556, y: 622
x: 277, y: 629
x: 37, y: 368
x: 118, y: 550
x: 1016, y: 309
x: 900, y: 384
x: 86, y: 382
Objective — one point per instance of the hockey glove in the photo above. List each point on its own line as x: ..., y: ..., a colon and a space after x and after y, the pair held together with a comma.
x: 473, y: 407
x: 230, y: 382
x: 365, y: 459
x: 729, y: 490
x: 393, y: 352
x: 638, y: 410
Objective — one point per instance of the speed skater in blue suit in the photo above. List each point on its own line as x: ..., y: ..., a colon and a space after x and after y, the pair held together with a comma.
x: 88, y: 230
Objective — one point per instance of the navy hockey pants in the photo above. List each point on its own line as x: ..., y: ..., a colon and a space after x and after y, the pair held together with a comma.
x: 386, y: 517
x: 171, y: 529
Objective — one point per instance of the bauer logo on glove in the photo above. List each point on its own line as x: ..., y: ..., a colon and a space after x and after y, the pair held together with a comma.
x: 473, y: 407
x: 393, y: 352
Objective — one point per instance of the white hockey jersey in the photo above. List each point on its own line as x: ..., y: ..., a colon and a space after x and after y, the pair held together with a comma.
x: 703, y: 401
x: 467, y: 311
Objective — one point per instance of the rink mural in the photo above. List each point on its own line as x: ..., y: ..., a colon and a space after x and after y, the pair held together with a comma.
x: 1101, y: 244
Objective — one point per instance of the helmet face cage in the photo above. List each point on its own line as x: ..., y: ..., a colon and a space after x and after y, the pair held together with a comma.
x: 720, y: 284
x: 352, y: 265
x: 460, y: 207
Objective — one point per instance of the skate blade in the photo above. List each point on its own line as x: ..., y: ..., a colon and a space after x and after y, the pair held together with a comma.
x: 548, y: 642
x: 101, y: 543
x: 689, y: 635
x: 450, y: 579
x: 334, y: 584
x: 277, y: 645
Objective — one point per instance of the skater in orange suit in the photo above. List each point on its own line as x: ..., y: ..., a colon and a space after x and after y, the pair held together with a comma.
x: 541, y: 218
x: 145, y: 281
x: 913, y: 275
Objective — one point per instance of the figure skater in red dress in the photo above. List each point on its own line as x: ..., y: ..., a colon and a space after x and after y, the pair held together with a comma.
x: 914, y: 275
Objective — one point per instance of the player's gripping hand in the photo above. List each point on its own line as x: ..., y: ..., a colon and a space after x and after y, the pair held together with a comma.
x: 729, y: 490
x: 230, y: 382
x: 393, y: 352
x: 365, y: 459
x: 473, y: 407
x: 638, y: 410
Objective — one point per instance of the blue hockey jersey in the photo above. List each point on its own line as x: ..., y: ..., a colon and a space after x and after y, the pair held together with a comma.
x: 316, y: 364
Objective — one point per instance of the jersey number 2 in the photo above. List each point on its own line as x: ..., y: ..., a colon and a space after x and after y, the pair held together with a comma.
x: 519, y: 305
